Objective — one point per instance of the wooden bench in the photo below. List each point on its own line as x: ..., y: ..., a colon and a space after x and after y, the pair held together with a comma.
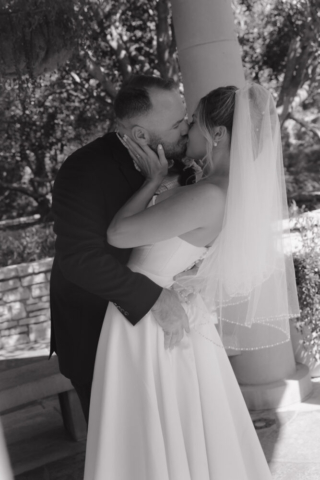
x: 25, y: 384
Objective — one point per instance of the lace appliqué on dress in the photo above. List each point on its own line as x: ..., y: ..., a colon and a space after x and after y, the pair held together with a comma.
x: 200, y: 318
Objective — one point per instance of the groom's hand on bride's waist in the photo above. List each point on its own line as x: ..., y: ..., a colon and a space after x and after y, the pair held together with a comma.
x: 171, y: 316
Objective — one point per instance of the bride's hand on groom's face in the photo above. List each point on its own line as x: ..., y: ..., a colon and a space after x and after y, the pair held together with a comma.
x: 153, y: 166
x: 171, y: 316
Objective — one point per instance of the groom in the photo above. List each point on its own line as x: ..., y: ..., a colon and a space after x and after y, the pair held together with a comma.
x: 87, y: 273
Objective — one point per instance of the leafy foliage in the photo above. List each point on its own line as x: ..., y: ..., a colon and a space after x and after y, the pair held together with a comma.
x: 27, y: 245
x: 307, y: 269
x: 35, y: 35
x: 38, y: 133
x: 280, y: 42
x: 45, y: 118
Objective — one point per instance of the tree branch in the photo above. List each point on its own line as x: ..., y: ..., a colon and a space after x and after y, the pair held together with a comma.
x: 112, y: 15
x: 167, y: 63
x: 163, y: 38
x: 302, y: 60
x: 305, y: 125
x: 295, y: 71
x: 19, y: 188
x: 95, y: 70
x: 116, y: 43
x: 290, y: 67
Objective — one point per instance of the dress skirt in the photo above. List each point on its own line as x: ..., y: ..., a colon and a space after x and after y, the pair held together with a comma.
x: 161, y: 414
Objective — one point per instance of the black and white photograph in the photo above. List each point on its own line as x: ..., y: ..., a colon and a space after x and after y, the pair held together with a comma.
x: 159, y: 239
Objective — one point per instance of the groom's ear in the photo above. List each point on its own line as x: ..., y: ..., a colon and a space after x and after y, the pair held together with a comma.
x: 140, y: 135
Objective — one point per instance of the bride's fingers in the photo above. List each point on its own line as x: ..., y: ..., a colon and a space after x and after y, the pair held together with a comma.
x: 136, y: 156
x: 133, y: 146
x: 158, y: 155
x: 139, y: 160
x: 148, y: 151
x: 162, y: 159
x: 162, y: 156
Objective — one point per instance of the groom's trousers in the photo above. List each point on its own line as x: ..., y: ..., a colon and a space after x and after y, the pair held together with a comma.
x: 84, y: 394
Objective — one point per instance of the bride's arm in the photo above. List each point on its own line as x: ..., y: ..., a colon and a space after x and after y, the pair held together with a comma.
x: 192, y: 208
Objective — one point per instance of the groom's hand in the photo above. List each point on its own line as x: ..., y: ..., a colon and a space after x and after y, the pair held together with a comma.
x: 171, y: 316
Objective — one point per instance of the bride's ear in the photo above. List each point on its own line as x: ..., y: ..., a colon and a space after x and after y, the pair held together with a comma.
x: 219, y: 133
x: 140, y: 135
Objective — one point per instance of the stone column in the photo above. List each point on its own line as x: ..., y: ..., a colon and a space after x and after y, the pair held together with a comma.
x: 209, y: 56
x: 209, y: 53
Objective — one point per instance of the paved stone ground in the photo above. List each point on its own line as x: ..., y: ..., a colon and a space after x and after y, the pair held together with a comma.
x: 38, y: 445
x: 292, y: 443
x: 40, y: 449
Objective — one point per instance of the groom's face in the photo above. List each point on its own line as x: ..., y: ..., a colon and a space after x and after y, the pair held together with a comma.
x: 166, y: 123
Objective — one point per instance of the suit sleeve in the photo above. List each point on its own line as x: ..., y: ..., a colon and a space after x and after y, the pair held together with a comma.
x: 84, y: 256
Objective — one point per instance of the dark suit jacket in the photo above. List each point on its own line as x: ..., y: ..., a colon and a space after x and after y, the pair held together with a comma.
x: 87, y: 273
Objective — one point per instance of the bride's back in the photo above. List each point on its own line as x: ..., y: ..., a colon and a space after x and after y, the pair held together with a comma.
x: 204, y: 236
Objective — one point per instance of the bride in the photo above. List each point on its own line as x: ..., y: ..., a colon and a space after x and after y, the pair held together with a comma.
x: 177, y: 413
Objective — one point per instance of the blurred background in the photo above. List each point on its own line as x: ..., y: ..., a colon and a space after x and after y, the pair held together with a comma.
x: 62, y: 62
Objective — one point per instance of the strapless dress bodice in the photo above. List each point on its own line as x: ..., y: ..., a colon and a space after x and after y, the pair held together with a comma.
x: 163, y: 260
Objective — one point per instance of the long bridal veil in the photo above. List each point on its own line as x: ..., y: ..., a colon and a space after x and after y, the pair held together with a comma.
x: 248, y: 277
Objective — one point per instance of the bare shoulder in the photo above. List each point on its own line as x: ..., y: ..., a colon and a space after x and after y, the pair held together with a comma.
x: 207, y: 193
x: 210, y: 190
x: 205, y: 200
x: 202, y: 189
x: 213, y: 200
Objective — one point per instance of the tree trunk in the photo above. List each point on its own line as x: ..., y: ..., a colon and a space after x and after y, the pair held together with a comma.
x: 296, y: 71
x: 166, y: 46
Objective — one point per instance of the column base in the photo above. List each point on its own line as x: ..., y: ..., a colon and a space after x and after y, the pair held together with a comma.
x: 281, y: 393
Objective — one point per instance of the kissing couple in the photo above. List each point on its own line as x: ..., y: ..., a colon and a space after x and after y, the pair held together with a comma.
x: 158, y: 272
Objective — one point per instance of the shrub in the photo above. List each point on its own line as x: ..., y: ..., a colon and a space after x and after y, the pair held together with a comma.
x: 27, y: 245
x: 307, y: 269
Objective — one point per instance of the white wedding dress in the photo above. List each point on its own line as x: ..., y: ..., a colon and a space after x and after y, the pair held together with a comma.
x: 157, y: 414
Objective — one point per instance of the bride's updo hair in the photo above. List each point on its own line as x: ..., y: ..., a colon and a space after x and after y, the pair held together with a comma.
x: 214, y: 110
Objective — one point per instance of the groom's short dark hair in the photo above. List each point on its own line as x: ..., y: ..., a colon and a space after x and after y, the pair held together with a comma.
x: 133, y: 97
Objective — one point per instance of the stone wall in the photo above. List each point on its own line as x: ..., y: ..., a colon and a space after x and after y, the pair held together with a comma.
x: 24, y: 303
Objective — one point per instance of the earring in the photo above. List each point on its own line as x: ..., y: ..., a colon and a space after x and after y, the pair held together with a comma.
x: 215, y: 144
